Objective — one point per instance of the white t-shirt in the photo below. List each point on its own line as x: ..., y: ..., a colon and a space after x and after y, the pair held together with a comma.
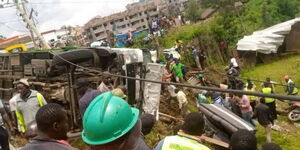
x: 234, y: 62
x: 181, y: 97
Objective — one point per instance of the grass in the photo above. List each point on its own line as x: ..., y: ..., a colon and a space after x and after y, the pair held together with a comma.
x: 276, y: 70
x: 287, y: 139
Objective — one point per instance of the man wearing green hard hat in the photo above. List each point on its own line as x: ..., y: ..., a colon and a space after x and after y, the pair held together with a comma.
x: 109, y: 123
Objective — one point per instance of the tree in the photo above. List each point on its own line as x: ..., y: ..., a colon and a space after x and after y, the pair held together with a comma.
x: 193, y: 10
x: 2, y: 37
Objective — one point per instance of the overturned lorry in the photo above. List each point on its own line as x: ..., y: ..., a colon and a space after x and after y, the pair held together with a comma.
x: 53, y: 73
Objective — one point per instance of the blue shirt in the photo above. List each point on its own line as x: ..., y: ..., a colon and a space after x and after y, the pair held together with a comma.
x: 86, y: 99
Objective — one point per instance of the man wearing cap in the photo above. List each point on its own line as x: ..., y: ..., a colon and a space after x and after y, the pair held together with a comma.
x: 85, y: 94
x: 105, y: 127
x: 106, y: 84
x: 28, y: 103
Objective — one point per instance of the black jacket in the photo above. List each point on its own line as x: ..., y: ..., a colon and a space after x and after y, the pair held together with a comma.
x: 263, y: 114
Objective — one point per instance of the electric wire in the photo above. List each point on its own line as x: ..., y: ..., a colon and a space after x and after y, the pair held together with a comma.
x: 277, y: 96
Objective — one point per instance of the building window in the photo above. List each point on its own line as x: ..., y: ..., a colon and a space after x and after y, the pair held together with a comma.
x: 95, y: 28
x: 112, y: 23
x: 144, y: 27
x: 142, y: 20
x: 140, y: 14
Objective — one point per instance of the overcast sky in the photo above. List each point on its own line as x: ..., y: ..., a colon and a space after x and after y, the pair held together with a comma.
x: 52, y: 14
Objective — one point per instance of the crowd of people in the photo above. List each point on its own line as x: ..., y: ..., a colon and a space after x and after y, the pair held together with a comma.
x: 110, y: 123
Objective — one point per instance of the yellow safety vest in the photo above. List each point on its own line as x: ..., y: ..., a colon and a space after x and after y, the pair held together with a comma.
x: 268, y: 91
x: 251, y: 97
x: 181, y: 143
x: 295, y: 91
x: 20, y: 117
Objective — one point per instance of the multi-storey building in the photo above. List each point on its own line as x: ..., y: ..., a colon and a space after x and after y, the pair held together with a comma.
x: 136, y: 17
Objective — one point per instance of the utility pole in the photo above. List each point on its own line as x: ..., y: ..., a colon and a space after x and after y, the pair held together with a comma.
x: 30, y: 24
x: 31, y: 33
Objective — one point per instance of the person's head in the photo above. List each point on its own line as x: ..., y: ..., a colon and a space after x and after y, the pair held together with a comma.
x: 100, y: 131
x: 225, y: 81
x: 262, y: 100
x: 177, y: 61
x: 268, y: 79
x: 250, y: 86
x: 266, y: 84
x: 177, y: 40
x: 177, y: 90
x: 286, y: 78
x: 194, y: 124
x: 22, y: 86
x: 271, y: 146
x: 148, y: 121
x: 243, y: 140
x: 106, y: 79
x: 52, y: 121
x: 239, y: 95
x: 81, y: 85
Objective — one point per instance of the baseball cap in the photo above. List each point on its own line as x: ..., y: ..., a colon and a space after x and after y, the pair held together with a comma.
x: 22, y: 81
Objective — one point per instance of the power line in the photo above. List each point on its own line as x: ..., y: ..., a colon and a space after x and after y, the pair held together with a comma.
x: 277, y: 96
x: 13, y: 28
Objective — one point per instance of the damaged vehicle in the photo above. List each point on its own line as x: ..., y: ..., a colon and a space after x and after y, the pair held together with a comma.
x: 53, y: 73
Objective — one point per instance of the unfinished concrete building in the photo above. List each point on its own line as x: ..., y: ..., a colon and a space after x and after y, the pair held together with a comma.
x: 136, y: 17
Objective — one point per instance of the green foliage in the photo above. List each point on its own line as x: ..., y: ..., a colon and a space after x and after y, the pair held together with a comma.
x: 254, y: 15
x: 184, y: 33
x: 193, y: 11
x: 139, y: 42
x: 2, y: 37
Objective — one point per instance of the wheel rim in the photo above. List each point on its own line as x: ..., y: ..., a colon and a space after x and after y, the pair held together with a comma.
x: 293, y: 116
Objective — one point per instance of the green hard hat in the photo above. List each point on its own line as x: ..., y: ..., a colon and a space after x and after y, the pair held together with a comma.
x: 200, y: 75
x: 107, y: 118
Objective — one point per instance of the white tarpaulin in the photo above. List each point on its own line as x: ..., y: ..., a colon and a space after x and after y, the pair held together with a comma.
x: 268, y: 40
